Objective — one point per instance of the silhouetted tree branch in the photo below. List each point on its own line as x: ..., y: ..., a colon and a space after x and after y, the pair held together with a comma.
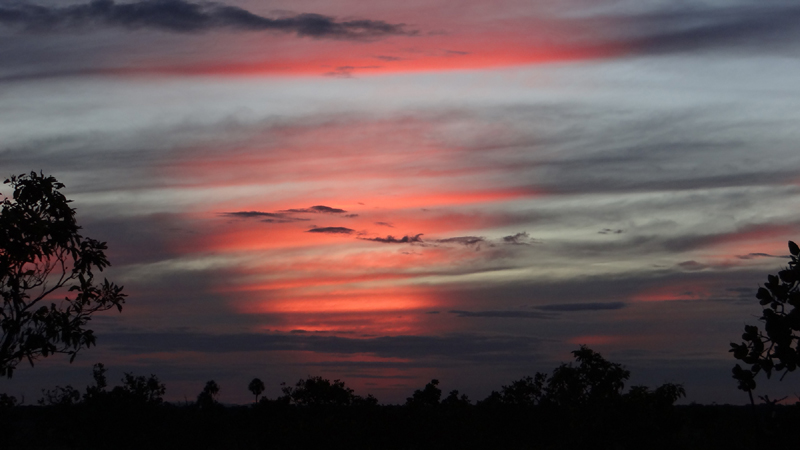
x: 776, y: 347
x: 42, y: 258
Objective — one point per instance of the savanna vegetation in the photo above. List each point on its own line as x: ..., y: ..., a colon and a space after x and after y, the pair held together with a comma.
x: 580, y: 404
x: 50, y: 293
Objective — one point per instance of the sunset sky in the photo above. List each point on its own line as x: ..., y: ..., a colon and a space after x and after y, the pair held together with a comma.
x: 389, y: 192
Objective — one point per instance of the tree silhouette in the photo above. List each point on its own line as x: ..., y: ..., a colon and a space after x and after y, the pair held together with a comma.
x: 100, y: 383
x: 141, y: 389
x: 427, y: 397
x: 527, y: 391
x: 776, y: 348
x: 43, y: 257
x: 256, y: 387
x: 207, y: 399
x: 60, y: 396
x: 593, y: 381
x: 318, y: 391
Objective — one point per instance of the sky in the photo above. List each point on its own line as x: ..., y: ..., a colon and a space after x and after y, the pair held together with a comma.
x: 390, y: 192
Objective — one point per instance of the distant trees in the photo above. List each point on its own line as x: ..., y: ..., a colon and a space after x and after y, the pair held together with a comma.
x: 47, y: 275
x: 593, y: 382
x: 577, y: 405
x: 775, y: 349
x: 318, y: 391
x: 135, y: 390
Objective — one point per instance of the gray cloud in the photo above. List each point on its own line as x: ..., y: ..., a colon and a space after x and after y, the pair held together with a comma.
x: 393, y: 240
x: 384, y: 224
x: 503, y: 314
x: 263, y: 216
x: 332, y: 230
x: 759, y: 255
x: 389, y: 58
x: 749, y: 26
x: 522, y: 238
x: 458, y: 346
x: 181, y: 16
x: 315, y: 209
x: 463, y: 240
x: 692, y: 265
x: 571, y: 307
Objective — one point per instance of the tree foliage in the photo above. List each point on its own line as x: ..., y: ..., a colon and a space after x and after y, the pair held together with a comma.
x: 47, y: 275
x: 775, y: 348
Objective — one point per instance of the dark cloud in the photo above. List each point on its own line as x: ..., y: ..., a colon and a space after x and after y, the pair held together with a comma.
x: 384, y: 224
x: 182, y: 16
x: 458, y: 346
x: 315, y: 209
x: 609, y: 231
x: 393, y: 240
x: 332, y: 230
x: 692, y: 265
x: 759, y: 255
x: 263, y: 216
x: 522, y: 238
x: 694, y: 241
x: 503, y: 314
x: 389, y: 58
x: 733, y: 26
x: 571, y: 307
x: 463, y: 240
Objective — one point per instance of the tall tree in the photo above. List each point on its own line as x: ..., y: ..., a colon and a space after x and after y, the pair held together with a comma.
x: 47, y: 275
x: 256, y: 387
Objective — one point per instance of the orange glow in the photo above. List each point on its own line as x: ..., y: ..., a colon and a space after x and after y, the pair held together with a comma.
x: 343, y: 300
x: 455, y: 51
x: 694, y: 291
x: 479, y: 59
x: 353, y: 324
x: 306, y: 282
x: 452, y: 198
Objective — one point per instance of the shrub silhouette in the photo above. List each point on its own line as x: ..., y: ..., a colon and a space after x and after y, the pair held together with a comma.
x: 42, y: 255
x: 776, y: 347
x: 60, y: 396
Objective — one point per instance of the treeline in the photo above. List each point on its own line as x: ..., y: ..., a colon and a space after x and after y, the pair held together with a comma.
x: 580, y: 404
